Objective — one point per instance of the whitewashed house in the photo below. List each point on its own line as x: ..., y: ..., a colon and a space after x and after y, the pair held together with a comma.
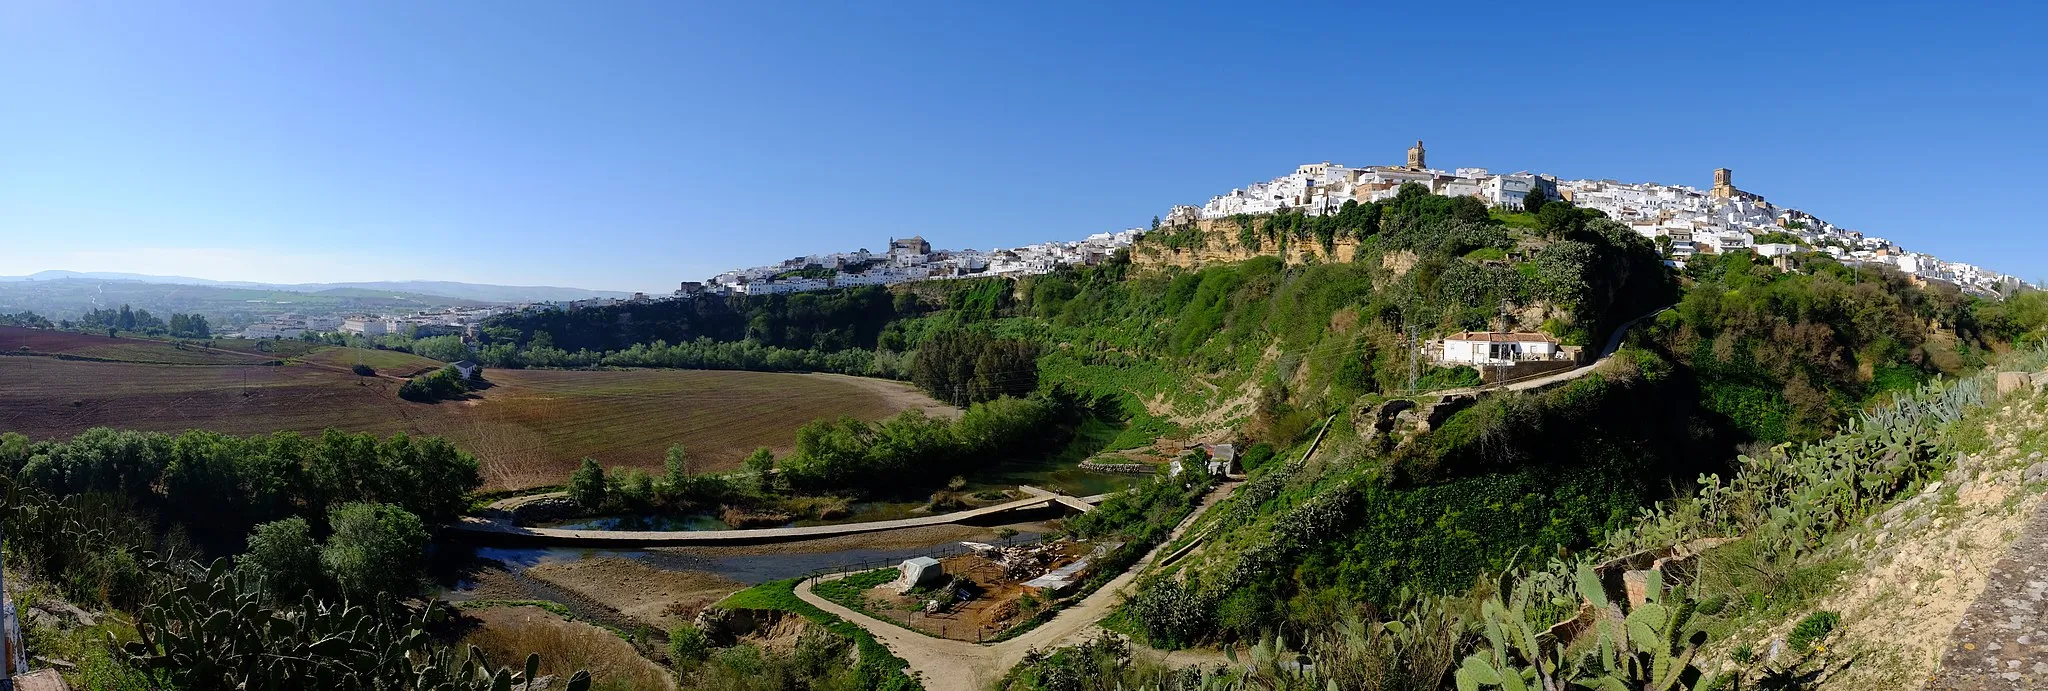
x: 1493, y: 348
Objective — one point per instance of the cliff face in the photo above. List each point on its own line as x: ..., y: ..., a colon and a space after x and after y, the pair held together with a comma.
x: 1217, y: 241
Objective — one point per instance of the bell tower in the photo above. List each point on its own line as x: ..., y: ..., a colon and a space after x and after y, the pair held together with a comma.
x: 1415, y: 156
x: 1724, y: 183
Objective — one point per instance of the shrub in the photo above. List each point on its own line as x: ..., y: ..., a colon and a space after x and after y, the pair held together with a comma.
x: 1812, y: 630
x: 376, y: 548
x: 687, y: 643
x: 587, y: 486
x: 283, y: 555
x: 364, y: 370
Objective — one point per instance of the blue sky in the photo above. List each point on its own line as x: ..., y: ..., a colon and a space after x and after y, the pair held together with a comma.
x: 627, y: 145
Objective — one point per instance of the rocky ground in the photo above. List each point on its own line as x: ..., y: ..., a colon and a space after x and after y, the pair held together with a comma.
x: 1932, y: 570
x: 643, y: 593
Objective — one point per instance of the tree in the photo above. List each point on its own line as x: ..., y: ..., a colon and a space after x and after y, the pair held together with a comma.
x: 678, y: 464
x: 587, y: 485
x: 1533, y: 201
x: 375, y: 548
x: 283, y: 554
x: 963, y: 366
x: 126, y: 321
x: 762, y: 464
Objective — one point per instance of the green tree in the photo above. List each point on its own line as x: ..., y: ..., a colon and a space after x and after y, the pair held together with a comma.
x: 1533, y: 201
x: 762, y: 466
x: 587, y: 485
x: 375, y: 548
x: 678, y: 465
x: 283, y: 554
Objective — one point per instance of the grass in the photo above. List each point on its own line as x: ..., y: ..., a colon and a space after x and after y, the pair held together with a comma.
x: 781, y: 595
x: 392, y: 362
x: 557, y: 608
x: 529, y: 430
x: 852, y: 590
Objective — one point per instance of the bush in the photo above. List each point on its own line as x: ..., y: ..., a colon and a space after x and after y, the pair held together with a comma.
x: 283, y: 555
x: 687, y: 644
x: 443, y: 384
x: 364, y: 370
x: 1812, y: 630
x: 375, y: 548
x: 587, y: 486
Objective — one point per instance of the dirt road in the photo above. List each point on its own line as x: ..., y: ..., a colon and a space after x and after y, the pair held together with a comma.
x: 947, y: 665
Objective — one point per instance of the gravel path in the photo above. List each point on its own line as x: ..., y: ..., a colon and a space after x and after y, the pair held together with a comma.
x: 2002, y: 642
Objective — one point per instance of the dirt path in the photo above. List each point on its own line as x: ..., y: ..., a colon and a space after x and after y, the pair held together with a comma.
x: 2002, y: 642
x: 946, y: 665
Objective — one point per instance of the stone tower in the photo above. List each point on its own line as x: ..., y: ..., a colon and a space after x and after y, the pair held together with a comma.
x: 1724, y: 183
x: 1415, y: 156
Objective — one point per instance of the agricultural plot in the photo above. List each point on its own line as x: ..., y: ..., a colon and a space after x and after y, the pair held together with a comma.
x: 530, y: 428
x: 393, y: 362
x: 19, y: 341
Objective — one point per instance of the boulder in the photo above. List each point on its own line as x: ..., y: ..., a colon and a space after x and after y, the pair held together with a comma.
x: 2009, y: 382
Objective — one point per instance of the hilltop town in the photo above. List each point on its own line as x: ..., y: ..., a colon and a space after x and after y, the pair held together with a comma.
x: 1722, y: 218
x: 1686, y: 221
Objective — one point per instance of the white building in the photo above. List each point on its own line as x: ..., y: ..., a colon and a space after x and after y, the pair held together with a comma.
x: 1487, y: 349
x: 365, y: 326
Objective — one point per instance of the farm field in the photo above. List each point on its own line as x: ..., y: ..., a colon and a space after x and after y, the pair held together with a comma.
x: 15, y: 340
x: 529, y: 429
x: 392, y: 362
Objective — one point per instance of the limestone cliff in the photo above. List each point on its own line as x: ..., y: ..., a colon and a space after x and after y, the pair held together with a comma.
x: 1217, y: 241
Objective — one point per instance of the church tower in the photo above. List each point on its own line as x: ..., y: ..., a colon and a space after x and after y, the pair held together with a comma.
x: 1724, y: 183
x: 1415, y: 156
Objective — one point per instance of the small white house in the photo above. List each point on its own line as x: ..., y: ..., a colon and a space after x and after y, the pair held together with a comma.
x: 1768, y: 250
x: 466, y: 369
x: 1493, y: 348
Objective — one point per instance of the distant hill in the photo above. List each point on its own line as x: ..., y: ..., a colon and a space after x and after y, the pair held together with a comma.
x: 447, y: 289
x: 68, y: 298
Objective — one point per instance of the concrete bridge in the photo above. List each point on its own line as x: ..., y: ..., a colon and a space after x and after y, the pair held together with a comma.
x: 500, y: 527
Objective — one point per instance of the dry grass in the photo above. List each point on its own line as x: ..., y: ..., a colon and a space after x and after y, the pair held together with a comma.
x: 530, y: 429
x: 507, y: 634
x: 651, y: 596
